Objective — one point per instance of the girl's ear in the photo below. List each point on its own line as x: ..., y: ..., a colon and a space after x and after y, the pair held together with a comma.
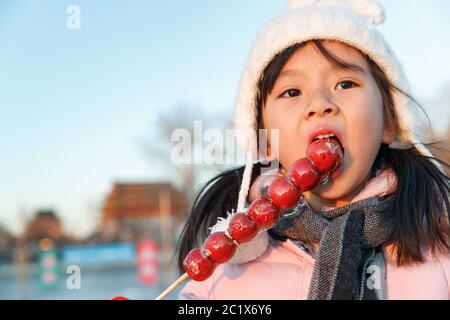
x: 389, y: 134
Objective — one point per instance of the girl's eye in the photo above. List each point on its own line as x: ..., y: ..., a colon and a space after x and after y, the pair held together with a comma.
x: 347, y: 84
x: 291, y: 93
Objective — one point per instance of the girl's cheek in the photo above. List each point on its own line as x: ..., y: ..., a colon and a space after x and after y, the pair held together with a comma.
x: 283, y: 128
x: 366, y: 132
x: 291, y: 147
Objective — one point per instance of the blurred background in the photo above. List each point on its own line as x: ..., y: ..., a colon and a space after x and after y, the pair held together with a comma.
x: 91, y: 203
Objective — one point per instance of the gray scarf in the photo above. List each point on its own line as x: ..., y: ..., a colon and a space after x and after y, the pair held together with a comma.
x: 349, y: 240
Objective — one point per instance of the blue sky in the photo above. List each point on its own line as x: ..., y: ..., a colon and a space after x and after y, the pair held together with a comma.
x: 75, y: 103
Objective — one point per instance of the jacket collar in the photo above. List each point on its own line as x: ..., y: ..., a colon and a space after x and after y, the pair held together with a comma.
x: 384, y: 183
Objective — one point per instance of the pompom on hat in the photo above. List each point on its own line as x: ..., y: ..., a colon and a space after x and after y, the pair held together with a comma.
x: 350, y: 21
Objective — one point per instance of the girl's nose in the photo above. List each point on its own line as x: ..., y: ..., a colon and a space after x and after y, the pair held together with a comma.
x: 320, y: 105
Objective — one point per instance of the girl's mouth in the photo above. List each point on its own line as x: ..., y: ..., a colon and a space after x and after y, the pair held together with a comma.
x: 334, y: 142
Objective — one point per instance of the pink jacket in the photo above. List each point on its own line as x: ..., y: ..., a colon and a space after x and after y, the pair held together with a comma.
x: 285, y: 270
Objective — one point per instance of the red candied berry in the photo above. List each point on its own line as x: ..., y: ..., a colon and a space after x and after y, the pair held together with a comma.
x: 242, y: 228
x: 325, y: 154
x: 120, y: 298
x: 303, y: 174
x: 261, y: 185
x: 197, y: 265
x: 283, y: 194
x: 219, y: 247
x: 263, y: 212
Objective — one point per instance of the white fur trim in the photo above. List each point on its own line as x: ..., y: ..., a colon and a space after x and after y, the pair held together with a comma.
x: 248, y: 251
x: 222, y: 224
x: 251, y: 250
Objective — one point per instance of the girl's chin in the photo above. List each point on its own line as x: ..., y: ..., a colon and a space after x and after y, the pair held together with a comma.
x: 334, y: 189
x: 330, y: 193
x: 326, y: 199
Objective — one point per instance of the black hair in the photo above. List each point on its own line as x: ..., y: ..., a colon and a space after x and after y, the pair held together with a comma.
x: 420, y: 204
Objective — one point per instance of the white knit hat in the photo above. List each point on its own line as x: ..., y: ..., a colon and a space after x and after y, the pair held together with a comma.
x: 349, y: 21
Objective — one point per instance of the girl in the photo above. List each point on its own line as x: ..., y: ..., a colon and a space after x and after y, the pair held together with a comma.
x: 380, y: 229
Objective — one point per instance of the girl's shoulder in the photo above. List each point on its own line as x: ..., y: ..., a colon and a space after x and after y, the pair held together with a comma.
x: 427, y: 280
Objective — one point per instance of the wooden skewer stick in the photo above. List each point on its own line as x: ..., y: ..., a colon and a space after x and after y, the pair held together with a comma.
x: 175, y: 284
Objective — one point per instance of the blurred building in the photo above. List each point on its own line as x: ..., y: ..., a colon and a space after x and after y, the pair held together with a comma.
x: 44, y: 224
x: 7, y: 244
x: 137, y: 211
x: 44, y: 228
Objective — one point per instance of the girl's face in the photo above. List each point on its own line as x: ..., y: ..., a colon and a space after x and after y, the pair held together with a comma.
x: 311, y: 94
